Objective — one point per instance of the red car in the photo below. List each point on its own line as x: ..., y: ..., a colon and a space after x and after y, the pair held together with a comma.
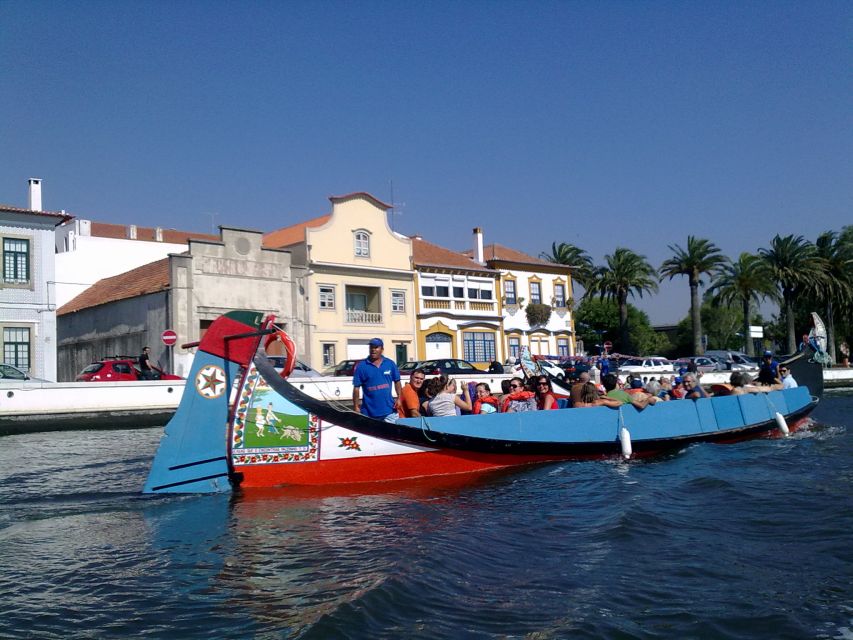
x: 117, y: 369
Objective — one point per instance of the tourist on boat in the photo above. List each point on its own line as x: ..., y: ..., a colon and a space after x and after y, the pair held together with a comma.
x: 447, y: 402
x: 412, y: 395
x: 788, y: 381
x: 639, y: 400
x: 519, y: 398
x: 665, y: 391
x: 692, y: 389
x: 768, y: 371
x: 485, y: 402
x: 545, y: 398
x: 678, y: 391
x: 575, y: 391
x: 590, y: 397
x: 375, y: 375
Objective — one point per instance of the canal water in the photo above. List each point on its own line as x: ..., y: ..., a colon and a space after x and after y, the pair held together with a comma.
x: 752, y: 540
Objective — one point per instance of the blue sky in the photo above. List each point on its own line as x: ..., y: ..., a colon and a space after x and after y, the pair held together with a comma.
x: 603, y: 124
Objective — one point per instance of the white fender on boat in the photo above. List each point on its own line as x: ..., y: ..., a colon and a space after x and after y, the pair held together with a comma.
x: 625, y: 440
x: 783, y: 426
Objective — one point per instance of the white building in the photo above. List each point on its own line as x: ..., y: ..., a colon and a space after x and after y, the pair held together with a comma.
x: 88, y: 251
x: 27, y: 294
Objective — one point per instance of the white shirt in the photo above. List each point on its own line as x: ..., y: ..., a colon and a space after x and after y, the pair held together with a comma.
x: 788, y: 382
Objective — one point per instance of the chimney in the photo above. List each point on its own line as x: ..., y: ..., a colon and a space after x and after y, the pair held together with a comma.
x: 478, y: 245
x: 34, y: 194
x: 158, y: 234
x: 131, y: 232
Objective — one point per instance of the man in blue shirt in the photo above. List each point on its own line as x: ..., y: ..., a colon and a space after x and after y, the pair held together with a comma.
x: 768, y: 372
x: 375, y: 375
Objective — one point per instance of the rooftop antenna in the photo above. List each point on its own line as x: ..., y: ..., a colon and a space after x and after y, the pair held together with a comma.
x: 395, y: 205
x: 213, y: 215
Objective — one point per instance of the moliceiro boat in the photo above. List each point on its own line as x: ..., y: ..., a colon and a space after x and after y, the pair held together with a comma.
x: 241, y: 424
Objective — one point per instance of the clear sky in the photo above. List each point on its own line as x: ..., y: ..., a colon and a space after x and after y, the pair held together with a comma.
x: 603, y: 124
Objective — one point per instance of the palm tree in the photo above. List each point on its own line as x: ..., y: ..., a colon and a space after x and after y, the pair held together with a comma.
x: 836, y: 287
x: 746, y: 281
x: 701, y: 256
x: 575, y: 257
x: 794, y: 267
x: 626, y: 273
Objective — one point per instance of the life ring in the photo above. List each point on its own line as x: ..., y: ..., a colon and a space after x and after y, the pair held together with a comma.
x: 289, y: 350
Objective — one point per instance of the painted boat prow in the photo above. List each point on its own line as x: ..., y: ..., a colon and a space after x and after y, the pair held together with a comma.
x: 193, y: 453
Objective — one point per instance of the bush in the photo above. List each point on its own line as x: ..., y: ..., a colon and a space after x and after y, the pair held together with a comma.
x: 537, y: 314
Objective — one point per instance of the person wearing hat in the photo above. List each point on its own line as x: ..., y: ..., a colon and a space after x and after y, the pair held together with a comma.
x: 768, y: 371
x: 375, y: 375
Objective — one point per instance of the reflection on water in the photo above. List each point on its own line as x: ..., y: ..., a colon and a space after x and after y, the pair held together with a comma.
x: 713, y: 541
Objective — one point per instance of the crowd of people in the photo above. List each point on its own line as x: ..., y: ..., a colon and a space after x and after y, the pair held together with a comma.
x: 444, y: 396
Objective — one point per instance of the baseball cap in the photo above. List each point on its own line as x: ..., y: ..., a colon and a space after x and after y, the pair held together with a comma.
x: 768, y: 353
x: 377, y: 342
x: 678, y: 380
x: 636, y: 383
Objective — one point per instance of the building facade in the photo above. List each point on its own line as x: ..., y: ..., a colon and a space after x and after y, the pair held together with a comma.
x: 27, y: 292
x: 359, y: 282
x: 458, y: 311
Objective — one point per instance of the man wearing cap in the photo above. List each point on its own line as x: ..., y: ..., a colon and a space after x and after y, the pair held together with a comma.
x: 768, y: 372
x: 375, y: 375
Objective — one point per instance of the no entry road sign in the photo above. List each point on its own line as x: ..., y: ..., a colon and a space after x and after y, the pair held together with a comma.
x: 169, y: 337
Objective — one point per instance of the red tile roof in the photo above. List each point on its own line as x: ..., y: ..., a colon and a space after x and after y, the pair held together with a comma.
x: 500, y: 253
x: 57, y: 215
x: 147, y: 234
x: 293, y: 234
x: 428, y: 254
x: 149, y: 278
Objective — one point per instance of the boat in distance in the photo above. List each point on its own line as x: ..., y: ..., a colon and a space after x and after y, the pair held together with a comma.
x: 241, y: 424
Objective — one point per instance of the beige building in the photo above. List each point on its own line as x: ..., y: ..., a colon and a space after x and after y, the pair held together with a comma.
x: 359, y: 281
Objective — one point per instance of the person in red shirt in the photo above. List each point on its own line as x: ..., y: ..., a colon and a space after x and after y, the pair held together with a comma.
x: 412, y: 395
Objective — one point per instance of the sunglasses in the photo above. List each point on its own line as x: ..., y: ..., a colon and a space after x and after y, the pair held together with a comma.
x: 543, y: 383
x: 515, y: 386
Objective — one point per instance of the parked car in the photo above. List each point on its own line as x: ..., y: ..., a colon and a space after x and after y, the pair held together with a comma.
x: 574, y: 367
x: 552, y: 369
x: 734, y: 360
x: 11, y: 372
x: 647, y: 366
x: 300, y: 369
x: 343, y: 368
x: 407, y: 368
x: 449, y: 367
x: 117, y: 369
x: 703, y: 364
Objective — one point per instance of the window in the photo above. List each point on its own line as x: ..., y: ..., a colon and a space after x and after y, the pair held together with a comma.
x: 329, y: 359
x: 458, y: 292
x: 479, y: 346
x: 398, y: 302
x: 560, y: 296
x: 473, y: 293
x: 362, y: 244
x: 509, y: 291
x: 327, y: 297
x: 535, y: 293
x: 563, y: 347
x: 442, y: 291
x: 16, y: 347
x: 16, y: 260
x: 428, y: 290
x: 485, y: 294
x: 514, y: 347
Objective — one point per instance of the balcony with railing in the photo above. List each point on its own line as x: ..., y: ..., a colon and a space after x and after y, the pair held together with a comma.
x: 358, y: 316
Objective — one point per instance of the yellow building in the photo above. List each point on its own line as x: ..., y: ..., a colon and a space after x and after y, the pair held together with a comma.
x: 359, y: 282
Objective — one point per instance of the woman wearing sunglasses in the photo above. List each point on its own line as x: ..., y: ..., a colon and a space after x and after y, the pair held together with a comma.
x: 518, y: 399
x: 545, y: 398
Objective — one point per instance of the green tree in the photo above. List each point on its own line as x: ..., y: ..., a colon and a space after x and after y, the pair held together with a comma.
x: 835, y: 289
x: 575, y: 257
x: 794, y: 267
x: 625, y: 273
x: 701, y: 257
x: 597, y: 321
x: 745, y: 282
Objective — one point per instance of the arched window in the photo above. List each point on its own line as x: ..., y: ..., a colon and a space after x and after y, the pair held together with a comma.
x: 362, y: 244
